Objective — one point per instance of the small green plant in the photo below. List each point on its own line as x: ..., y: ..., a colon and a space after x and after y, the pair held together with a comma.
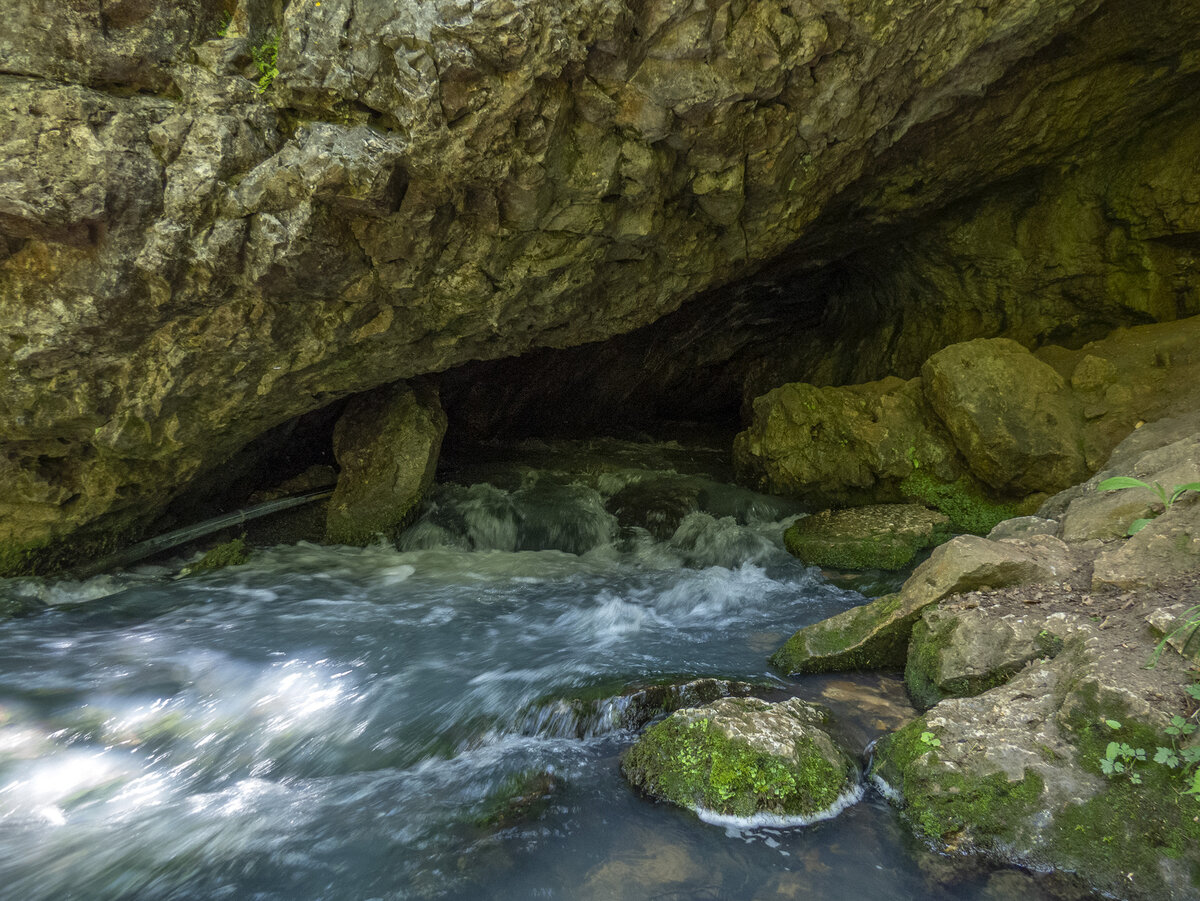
x: 930, y: 739
x: 1120, y: 758
x: 266, y: 56
x: 1166, y: 499
x: 226, y: 21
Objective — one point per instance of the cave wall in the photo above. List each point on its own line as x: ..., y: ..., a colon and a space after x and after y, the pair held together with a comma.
x: 1059, y: 255
x: 187, y: 261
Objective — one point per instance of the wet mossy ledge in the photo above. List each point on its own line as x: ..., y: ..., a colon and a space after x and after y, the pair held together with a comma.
x: 879, y: 536
x: 1053, y: 734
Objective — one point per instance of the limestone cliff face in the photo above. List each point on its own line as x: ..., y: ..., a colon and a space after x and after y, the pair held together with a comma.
x: 187, y: 260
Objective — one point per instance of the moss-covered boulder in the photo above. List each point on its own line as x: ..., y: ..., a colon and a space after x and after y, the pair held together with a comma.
x: 963, y: 652
x: 969, y: 504
x: 875, y: 635
x: 741, y: 757
x: 880, y: 536
x: 842, y: 445
x: 387, y: 444
x: 231, y: 553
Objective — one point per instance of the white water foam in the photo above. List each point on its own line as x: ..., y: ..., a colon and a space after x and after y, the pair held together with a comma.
x: 735, y: 827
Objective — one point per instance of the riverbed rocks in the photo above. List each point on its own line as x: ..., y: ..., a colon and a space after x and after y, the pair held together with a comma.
x: 387, y: 444
x: 1038, y: 662
x: 988, y: 431
x: 881, y: 536
x: 744, y: 756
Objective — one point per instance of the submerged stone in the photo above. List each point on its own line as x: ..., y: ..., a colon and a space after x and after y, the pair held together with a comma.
x: 520, y: 798
x: 742, y: 757
x: 656, y: 505
x: 881, y: 536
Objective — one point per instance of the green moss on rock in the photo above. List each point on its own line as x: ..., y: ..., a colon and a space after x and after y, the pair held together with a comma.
x: 881, y: 536
x: 967, y: 505
x: 18, y: 559
x: 521, y: 797
x: 873, y: 636
x: 697, y: 759
x: 231, y: 553
x: 950, y: 806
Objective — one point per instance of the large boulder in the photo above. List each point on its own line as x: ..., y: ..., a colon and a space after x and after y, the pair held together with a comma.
x: 876, y: 635
x: 1012, y: 416
x: 387, y: 444
x: 986, y: 432
x: 741, y: 757
x: 880, y: 536
x: 842, y: 445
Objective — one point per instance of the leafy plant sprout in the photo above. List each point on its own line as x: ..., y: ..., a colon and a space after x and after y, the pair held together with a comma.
x: 1166, y: 499
x: 266, y: 56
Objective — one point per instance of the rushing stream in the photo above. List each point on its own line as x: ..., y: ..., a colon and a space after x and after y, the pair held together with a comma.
x: 343, y: 723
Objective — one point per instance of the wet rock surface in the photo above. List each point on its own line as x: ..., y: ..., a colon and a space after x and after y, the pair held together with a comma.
x: 880, y: 536
x: 387, y: 444
x: 743, y: 757
x: 876, y: 634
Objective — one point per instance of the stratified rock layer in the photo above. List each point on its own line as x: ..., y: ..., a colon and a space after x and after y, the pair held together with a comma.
x: 187, y: 260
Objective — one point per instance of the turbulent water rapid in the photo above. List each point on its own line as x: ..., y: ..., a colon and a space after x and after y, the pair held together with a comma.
x: 340, y: 723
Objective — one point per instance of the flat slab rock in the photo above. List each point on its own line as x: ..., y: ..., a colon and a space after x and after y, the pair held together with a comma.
x: 875, y: 635
x: 879, y: 536
x: 744, y: 756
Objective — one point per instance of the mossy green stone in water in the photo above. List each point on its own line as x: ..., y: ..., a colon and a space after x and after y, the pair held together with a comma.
x: 231, y: 553
x: 700, y: 758
x: 521, y: 797
x: 873, y: 636
x: 881, y: 536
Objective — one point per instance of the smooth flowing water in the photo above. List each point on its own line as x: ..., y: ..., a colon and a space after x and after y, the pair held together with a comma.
x: 338, y: 723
